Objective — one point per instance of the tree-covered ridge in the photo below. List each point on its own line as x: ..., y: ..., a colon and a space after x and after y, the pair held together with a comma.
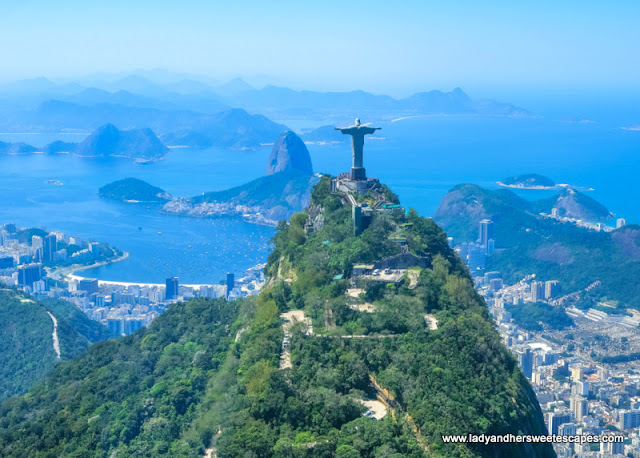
x: 27, y: 352
x: 280, y: 188
x: 66, y: 311
x: 454, y: 380
x: 533, y: 315
x: 136, y: 394
x: 208, y: 374
x: 552, y: 250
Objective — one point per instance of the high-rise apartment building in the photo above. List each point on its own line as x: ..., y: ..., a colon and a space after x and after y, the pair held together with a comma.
x: 172, y: 286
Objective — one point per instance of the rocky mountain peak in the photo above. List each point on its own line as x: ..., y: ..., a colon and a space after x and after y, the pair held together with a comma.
x: 289, y: 152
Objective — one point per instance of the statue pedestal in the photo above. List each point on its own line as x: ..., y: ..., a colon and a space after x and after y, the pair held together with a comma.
x: 358, y: 174
x: 344, y: 183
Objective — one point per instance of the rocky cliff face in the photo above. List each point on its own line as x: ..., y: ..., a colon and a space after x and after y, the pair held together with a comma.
x: 289, y: 152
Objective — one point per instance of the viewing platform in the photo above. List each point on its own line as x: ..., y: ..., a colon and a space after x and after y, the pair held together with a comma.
x: 344, y: 183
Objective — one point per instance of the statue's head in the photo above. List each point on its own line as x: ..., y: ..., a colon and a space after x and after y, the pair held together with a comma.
x: 357, y: 121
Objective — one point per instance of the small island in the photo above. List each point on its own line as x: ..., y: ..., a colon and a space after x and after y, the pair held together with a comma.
x: 133, y: 190
x: 528, y: 181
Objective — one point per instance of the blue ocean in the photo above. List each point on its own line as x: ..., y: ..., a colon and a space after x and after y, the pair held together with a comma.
x: 421, y: 158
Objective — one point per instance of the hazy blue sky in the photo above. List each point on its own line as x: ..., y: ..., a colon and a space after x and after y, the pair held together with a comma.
x: 387, y: 46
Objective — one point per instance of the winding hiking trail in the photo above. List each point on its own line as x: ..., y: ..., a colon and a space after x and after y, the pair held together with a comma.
x: 56, y: 342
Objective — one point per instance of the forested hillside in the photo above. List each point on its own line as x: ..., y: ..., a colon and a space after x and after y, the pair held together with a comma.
x: 527, y: 243
x: 213, y: 374
x: 27, y: 352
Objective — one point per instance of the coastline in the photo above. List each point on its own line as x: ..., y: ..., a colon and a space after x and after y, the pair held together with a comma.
x: 544, y: 188
x: 68, y: 272
x: 522, y: 186
x: 71, y: 277
x: 251, y: 218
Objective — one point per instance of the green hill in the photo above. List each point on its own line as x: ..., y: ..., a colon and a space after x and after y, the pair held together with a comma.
x: 207, y: 373
x: 133, y: 190
x: 278, y: 195
x: 574, y: 204
x: 27, y: 352
x: 552, y: 250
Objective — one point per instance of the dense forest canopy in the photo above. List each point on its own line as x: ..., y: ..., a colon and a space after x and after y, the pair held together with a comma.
x: 207, y: 373
x: 27, y: 352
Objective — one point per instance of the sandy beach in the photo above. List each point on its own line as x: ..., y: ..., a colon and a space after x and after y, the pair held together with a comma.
x: 73, y: 277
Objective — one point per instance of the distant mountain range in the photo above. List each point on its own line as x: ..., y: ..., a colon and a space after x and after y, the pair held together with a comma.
x: 188, y: 112
x: 141, y: 145
x: 285, y: 103
x: 324, y: 134
x: 234, y: 128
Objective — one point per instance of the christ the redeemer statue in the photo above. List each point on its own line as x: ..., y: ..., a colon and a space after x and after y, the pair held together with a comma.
x: 357, y: 133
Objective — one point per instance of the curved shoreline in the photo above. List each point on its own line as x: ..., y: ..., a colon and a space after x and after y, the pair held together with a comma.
x: 71, y: 275
x: 67, y: 272
x: 133, y: 283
